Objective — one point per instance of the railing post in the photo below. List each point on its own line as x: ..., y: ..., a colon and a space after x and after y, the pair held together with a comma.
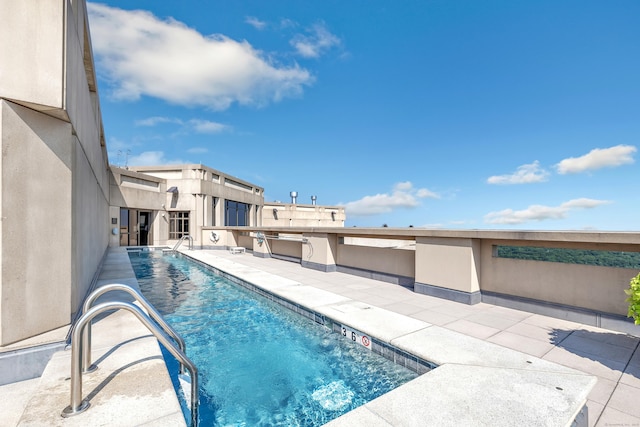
x: 87, y: 366
x: 260, y: 246
x: 182, y: 239
x: 77, y: 404
x: 320, y: 251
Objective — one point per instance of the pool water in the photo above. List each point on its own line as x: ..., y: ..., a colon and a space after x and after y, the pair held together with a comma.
x: 259, y: 363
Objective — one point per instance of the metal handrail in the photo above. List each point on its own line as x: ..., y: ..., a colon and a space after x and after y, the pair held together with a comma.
x: 77, y: 404
x: 261, y: 235
x: 87, y: 366
x: 182, y: 239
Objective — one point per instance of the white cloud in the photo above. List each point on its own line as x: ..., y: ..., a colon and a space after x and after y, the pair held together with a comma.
x: 525, y: 174
x: 166, y: 59
x: 206, y: 126
x: 151, y: 158
x: 584, y: 203
x: 255, y: 22
x: 318, y: 41
x: 540, y: 212
x: 403, y: 186
x: 197, y: 125
x: 402, y: 196
x: 115, y: 144
x: 598, y: 158
x: 423, y: 193
x: 152, y: 121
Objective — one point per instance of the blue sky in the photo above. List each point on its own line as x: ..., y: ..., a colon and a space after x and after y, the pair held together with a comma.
x: 496, y: 114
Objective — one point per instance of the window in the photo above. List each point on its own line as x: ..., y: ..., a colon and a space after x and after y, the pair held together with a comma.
x: 178, y: 225
x: 214, y: 205
x: 236, y: 213
x: 128, y: 227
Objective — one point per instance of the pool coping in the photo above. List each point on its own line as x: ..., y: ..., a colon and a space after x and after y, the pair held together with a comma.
x: 475, y: 382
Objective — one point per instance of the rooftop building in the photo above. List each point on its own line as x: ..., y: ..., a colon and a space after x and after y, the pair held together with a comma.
x: 64, y: 209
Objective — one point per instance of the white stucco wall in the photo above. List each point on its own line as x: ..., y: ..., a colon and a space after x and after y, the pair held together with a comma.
x: 300, y: 215
x: 54, y: 187
x: 448, y: 263
x: 31, y: 46
x: 36, y: 222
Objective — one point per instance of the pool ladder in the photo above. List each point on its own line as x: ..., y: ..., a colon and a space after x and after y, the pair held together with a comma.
x: 81, y: 344
x: 182, y: 239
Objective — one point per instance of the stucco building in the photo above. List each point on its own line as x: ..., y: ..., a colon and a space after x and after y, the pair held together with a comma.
x: 158, y: 205
x: 276, y: 214
x: 54, y: 174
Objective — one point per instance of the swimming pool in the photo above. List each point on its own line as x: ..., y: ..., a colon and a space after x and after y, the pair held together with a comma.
x: 260, y: 364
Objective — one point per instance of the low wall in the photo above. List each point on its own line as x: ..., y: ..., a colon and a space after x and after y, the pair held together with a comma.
x: 462, y: 265
x: 398, y: 263
x: 587, y: 286
x: 286, y: 248
x: 244, y: 241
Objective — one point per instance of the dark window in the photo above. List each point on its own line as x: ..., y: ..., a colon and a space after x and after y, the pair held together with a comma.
x: 213, y: 211
x: 178, y: 225
x: 236, y: 213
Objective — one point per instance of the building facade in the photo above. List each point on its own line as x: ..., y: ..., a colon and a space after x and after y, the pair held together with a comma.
x: 158, y: 205
x: 54, y: 173
x: 277, y: 214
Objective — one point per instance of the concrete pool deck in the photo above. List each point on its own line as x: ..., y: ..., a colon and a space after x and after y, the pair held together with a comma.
x: 517, y: 358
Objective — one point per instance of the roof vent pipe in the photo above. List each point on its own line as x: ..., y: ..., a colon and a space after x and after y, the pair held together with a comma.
x: 294, y: 195
x: 313, y: 200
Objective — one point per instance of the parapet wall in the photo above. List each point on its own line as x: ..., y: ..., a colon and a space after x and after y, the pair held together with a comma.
x: 463, y: 265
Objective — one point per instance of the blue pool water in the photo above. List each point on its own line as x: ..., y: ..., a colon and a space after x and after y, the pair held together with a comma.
x: 260, y: 364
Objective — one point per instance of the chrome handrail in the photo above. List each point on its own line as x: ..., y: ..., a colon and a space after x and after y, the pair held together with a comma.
x: 182, y: 239
x: 77, y: 404
x: 261, y: 235
x: 153, y: 313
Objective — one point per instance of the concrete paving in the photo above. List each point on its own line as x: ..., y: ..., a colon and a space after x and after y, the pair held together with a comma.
x: 568, y: 349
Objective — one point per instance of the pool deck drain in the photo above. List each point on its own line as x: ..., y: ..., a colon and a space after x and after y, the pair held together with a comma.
x: 477, y: 383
